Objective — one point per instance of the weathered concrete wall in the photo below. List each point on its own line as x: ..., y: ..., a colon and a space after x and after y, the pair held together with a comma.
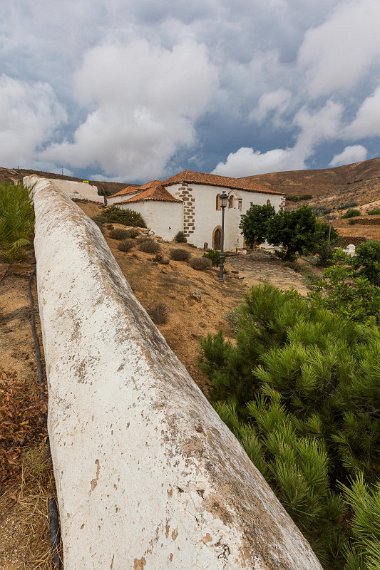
x: 73, y: 189
x: 147, y: 474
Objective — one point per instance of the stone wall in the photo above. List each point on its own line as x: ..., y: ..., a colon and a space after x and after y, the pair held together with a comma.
x: 147, y: 475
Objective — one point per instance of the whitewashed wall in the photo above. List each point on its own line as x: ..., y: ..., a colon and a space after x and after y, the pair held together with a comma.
x: 147, y: 475
x: 111, y: 200
x: 164, y: 218
x: 207, y: 217
x: 75, y: 190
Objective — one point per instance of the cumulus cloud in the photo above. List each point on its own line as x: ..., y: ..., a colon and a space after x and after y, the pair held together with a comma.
x: 149, y: 85
x: 367, y: 120
x: 349, y: 154
x: 341, y: 51
x: 314, y: 128
x: 276, y: 102
x: 29, y: 114
x: 143, y: 102
x: 247, y: 161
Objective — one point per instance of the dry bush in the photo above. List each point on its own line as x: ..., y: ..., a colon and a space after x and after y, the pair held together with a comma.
x: 126, y: 245
x: 132, y: 233
x: 118, y: 234
x: 22, y: 422
x: 149, y: 246
x: 201, y: 263
x: 180, y: 255
x: 159, y: 313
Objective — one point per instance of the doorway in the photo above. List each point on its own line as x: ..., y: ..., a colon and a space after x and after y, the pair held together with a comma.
x: 217, y: 238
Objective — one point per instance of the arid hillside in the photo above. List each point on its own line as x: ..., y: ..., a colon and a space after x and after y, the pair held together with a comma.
x: 343, y: 180
x: 332, y: 192
x: 17, y: 174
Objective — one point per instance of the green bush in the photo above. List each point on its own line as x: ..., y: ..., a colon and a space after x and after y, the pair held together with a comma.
x: 16, y: 221
x: 118, y: 234
x: 367, y: 260
x: 180, y: 237
x: 200, y: 263
x: 352, y: 221
x: 254, y: 223
x: 299, y: 198
x: 300, y: 389
x: 149, y: 246
x: 214, y: 255
x: 351, y: 214
x: 375, y: 212
x: 180, y: 255
x: 350, y: 287
x: 126, y: 245
x: 116, y: 215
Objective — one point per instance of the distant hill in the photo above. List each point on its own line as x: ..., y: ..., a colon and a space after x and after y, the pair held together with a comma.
x: 332, y: 191
x: 15, y: 174
x: 321, y: 183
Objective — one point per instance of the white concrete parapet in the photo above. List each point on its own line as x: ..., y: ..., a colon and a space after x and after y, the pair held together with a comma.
x: 147, y: 475
x: 73, y: 189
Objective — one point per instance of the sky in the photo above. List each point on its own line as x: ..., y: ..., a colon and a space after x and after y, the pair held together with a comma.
x: 134, y: 90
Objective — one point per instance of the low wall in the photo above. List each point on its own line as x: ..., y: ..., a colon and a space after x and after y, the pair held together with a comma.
x: 73, y: 189
x: 147, y: 474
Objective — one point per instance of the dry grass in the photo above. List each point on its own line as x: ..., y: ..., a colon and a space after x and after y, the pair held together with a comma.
x: 24, y: 518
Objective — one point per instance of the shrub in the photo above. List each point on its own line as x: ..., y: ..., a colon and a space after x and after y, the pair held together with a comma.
x: 214, y: 255
x: 180, y: 237
x: 299, y: 388
x: 132, y: 233
x: 180, y: 255
x: 118, y: 234
x: 16, y: 221
x: 201, y: 263
x: 118, y: 216
x: 162, y: 259
x: 351, y: 214
x: 299, y: 198
x: 149, y: 246
x: 321, y: 210
x: 347, y: 205
x: 367, y: 260
x: 159, y: 313
x: 375, y: 212
x: 126, y: 245
x: 352, y: 221
x: 254, y: 223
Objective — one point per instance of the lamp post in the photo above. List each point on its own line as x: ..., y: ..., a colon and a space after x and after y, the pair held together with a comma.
x: 223, y: 203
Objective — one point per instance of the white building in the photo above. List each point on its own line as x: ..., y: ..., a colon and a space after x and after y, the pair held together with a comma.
x: 189, y: 202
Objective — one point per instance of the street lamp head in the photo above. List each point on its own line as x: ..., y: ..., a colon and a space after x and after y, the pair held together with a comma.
x: 223, y: 199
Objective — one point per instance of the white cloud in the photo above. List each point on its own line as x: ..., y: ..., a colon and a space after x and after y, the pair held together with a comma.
x: 29, y: 114
x: 367, y: 120
x: 143, y: 103
x: 341, y: 51
x: 314, y: 128
x: 349, y: 154
x: 247, y: 162
x: 275, y: 101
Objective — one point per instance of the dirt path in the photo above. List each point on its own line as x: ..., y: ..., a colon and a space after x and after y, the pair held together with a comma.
x: 261, y: 267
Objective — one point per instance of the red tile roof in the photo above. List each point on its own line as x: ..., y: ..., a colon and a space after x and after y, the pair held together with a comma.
x: 192, y: 177
x: 151, y: 191
x: 132, y: 189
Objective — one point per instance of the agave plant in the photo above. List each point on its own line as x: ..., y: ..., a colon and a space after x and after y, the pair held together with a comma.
x: 16, y: 221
